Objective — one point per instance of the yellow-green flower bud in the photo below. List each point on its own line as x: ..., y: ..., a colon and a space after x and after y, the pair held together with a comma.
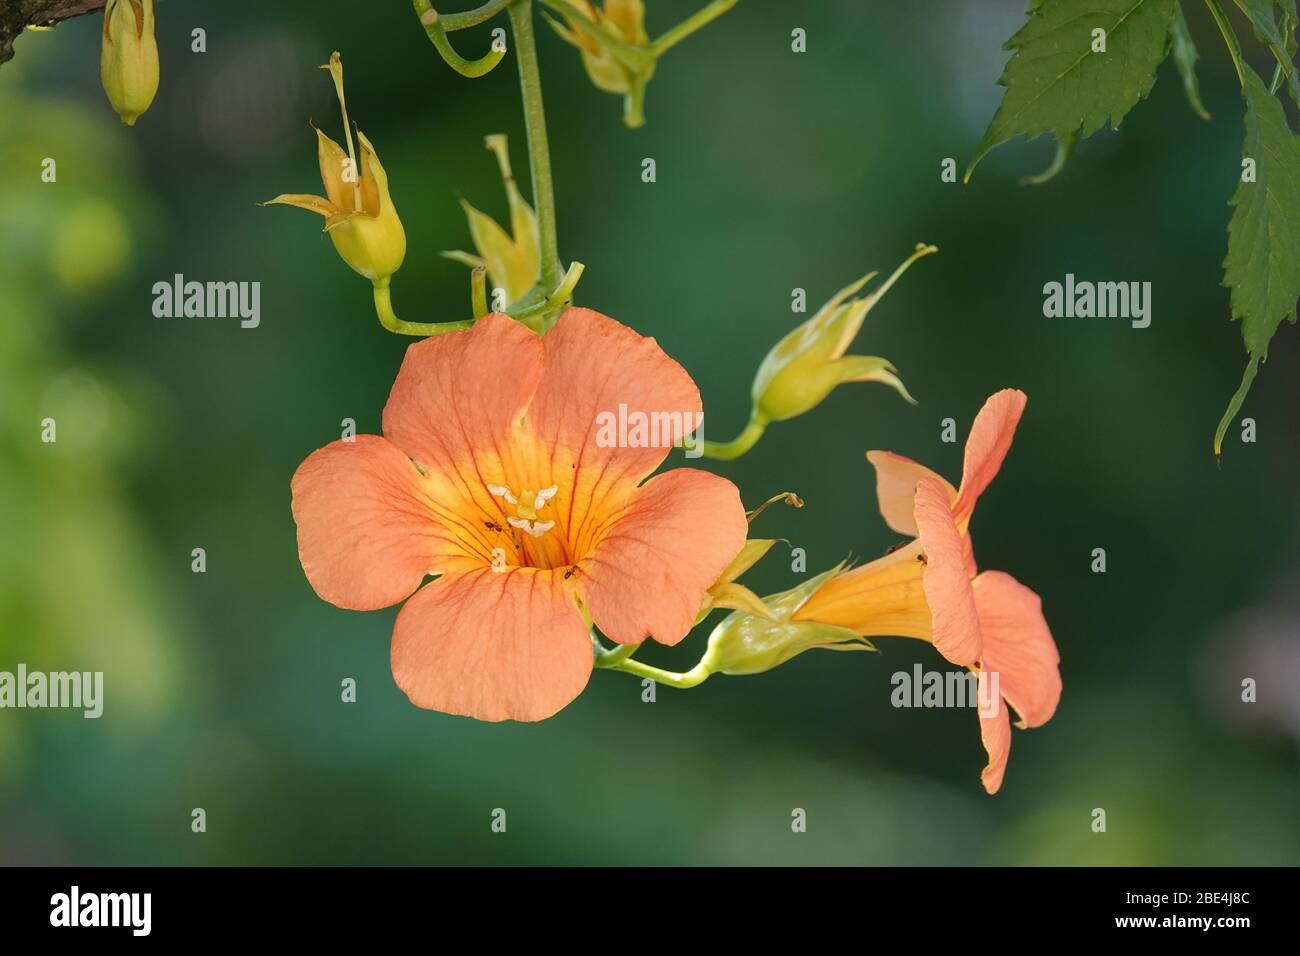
x: 746, y: 643
x: 512, y: 259
x: 725, y: 592
x: 624, y: 69
x: 359, y: 213
x: 809, y: 363
x: 128, y: 57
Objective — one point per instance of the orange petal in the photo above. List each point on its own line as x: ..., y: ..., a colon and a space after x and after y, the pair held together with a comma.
x: 456, y: 406
x: 653, y: 562
x: 1018, y: 646
x: 946, y: 582
x: 599, y: 373
x: 494, y: 646
x: 990, y: 438
x: 896, y: 479
x: 995, y: 731
x: 366, y: 533
x: 884, y: 597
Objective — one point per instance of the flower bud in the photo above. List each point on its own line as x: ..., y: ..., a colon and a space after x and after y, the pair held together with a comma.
x: 725, y: 592
x: 806, y: 366
x: 128, y: 57
x: 613, y: 70
x: 513, y: 262
x: 359, y: 213
x: 746, y: 643
x: 370, y: 239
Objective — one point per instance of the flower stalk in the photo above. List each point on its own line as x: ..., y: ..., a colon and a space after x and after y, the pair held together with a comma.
x: 539, y: 149
x: 620, y: 660
x: 389, y: 320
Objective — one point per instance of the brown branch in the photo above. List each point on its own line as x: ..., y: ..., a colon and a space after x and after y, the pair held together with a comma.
x: 17, y: 15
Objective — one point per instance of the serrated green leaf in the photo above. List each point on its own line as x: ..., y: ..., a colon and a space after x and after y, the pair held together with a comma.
x: 1056, y: 83
x: 1263, y: 264
x: 1279, y: 38
x: 1183, y: 50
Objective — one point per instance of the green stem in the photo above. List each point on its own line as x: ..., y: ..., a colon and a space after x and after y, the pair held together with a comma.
x: 1284, y: 67
x: 608, y: 658
x: 389, y: 320
x: 437, y: 31
x: 478, y: 291
x: 688, y: 26
x: 452, y: 22
x: 1229, y: 37
x: 539, y: 151
x: 1234, y: 405
x: 693, y: 677
x: 726, y: 451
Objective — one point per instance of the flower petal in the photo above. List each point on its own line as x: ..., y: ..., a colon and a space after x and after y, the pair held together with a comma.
x: 601, y: 375
x: 463, y: 393
x: 995, y: 731
x: 986, y: 446
x: 334, y: 163
x: 494, y: 646
x: 896, y: 479
x: 883, y: 598
x: 322, y: 207
x: 1018, y: 646
x: 367, y: 534
x: 653, y: 563
x: 946, y: 581
x: 374, y: 181
x: 456, y: 408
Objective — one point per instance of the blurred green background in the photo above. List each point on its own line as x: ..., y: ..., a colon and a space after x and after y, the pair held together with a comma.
x: 775, y: 171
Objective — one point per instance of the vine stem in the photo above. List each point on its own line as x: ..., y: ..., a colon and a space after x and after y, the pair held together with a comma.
x: 436, y: 29
x: 389, y: 320
x: 606, y: 657
x: 619, y: 658
x: 728, y: 451
x: 472, y: 18
x: 1229, y: 37
x: 692, y: 678
x: 695, y: 21
x: 539, y: 150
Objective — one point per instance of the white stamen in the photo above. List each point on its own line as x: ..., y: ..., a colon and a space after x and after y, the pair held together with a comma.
x: 535, y: 528
x: 545, y: 495
x: 501, y: 491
